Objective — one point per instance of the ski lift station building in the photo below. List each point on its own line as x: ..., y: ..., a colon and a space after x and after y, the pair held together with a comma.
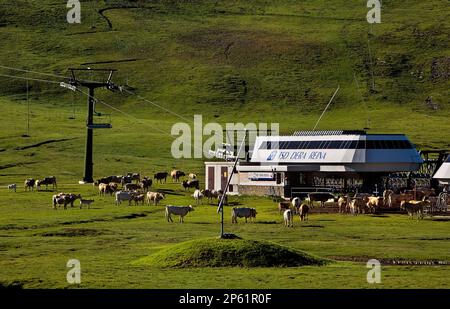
x: 443, y: 173
x: 309, y: 161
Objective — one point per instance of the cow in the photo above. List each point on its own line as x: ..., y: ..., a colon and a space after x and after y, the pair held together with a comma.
x: 210, y: 194
x: 160, y: 176
x: 104, y: 189
x: 288, y: 216
x: 242, y: 213
x: 176, y: 174
x: 123, y: 196
x: 178, y: 211
x: 108, y: 179
x: 303, y: 212
x: 138, y: 198
x: 282, y: 206
x: 357, y: 206
x: 46, y: 181
x: 395, y: 199
x: 343, y: 203
x: 29, y: 184
x: 225, y: 199
x: 131, y: 187
x: 12, y: 187
x: 134, y: 176
x: 190, y: 184
x: 414, y: 207
x: 296, y: 203
x: 155, y: 197
x: 373, y: 203
x: 146, y: 183
x: 86, y: 202
x: 72, y: 198
x: 64, y: 199
x: 321, y: 197
x: 198, y: 196
x: 126, y: 180
x: 113, y: 186
x: 59, y: 199
x: 386, y: 197
x: 192, y: 176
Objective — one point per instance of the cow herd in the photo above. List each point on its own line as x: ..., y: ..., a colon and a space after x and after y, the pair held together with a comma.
x: 414, y: 202
x: 30, y: 184
x: 133, y: 188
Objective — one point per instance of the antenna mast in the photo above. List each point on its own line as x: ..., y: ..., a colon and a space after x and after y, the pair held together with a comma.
x: 326, y: 107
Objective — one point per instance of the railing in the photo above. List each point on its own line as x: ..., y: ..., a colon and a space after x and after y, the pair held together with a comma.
x: 303, y: 191
x: 441, y: 203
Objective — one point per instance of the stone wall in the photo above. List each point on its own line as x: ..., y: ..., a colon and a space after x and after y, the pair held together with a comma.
x: 260, y: 190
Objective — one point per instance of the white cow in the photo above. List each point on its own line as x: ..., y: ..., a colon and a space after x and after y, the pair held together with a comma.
x: 243, y: 212
x: 296, y: 203
x: 288, y: 218
x: 178, y: 211
x: 123, y: 196
x: 154, y: 197
x: 198, y: 196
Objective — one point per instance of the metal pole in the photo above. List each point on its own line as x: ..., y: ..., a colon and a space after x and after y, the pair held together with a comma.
x: 220, y: 208
x: 28, y: 111
x: 88, y: 160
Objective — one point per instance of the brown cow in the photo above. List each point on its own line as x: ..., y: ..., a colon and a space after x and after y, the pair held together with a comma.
x: 303, y: 212
x: 283, y: 206
x: 414, y: 207
x: 104, y: 189
x: 176, y: 174
x: 138, y: 198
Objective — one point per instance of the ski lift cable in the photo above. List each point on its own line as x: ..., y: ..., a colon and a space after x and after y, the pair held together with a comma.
x: 29, y: 78
x: 133, y: 117
x: 34, y: 72
x: 122, y: 112
x: 96, y: 99
x: 157, y: 105
x: 125, y: 90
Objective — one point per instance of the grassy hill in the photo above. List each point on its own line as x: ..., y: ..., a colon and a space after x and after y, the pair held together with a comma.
x: 249, y: 61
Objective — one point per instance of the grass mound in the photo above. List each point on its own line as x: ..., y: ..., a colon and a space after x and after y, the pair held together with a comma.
x: 214, y: 252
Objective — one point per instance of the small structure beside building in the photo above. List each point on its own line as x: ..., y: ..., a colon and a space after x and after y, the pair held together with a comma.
x: 443, y: 173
